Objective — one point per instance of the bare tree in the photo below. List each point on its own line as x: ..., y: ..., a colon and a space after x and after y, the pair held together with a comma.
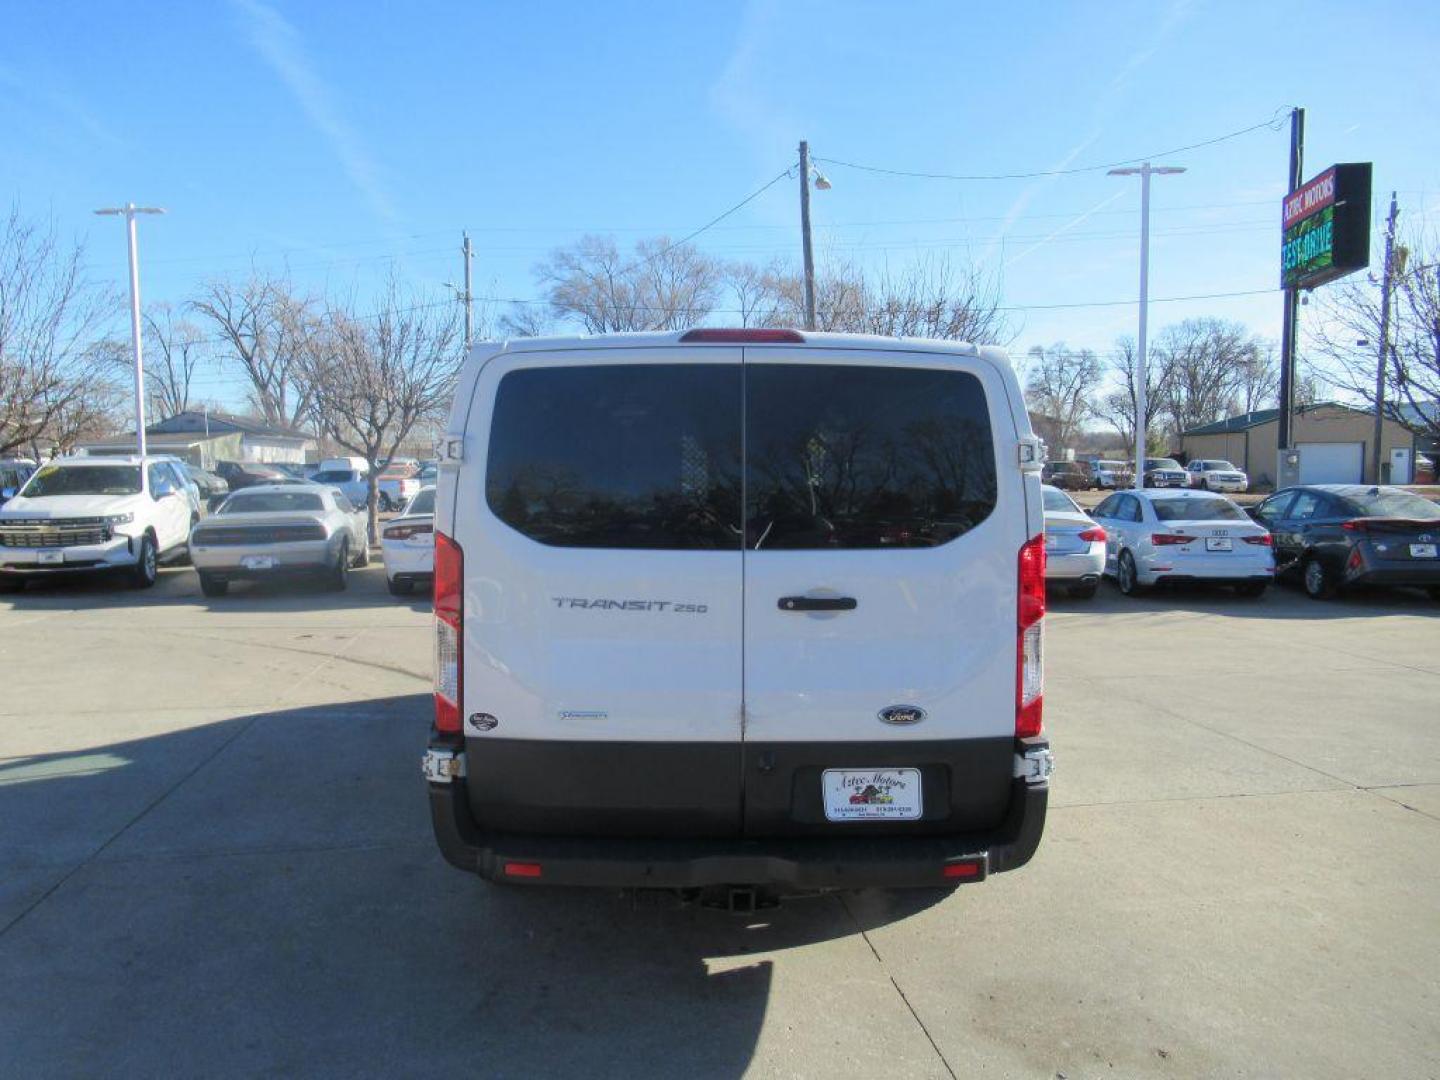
x: 376, y: 378
x: 757, y: 292
x: 1346, y: 338
x: 49, y: 317
x: 1118, y: 407
x: 663, y: 286
x: 173, y: 349
x: 1205, y: 361
x: 266, y: 328
x: 1257, y: 382
x: 1060, y: 385
x: 525, y: 320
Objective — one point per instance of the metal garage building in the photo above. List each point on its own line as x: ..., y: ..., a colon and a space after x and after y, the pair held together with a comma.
x: 1334, y: 440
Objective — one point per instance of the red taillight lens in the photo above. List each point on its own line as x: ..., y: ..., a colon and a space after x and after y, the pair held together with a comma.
x: 1263, y: 540
x: 404, y: 532
x: 1092, y: 535
x: 449, y: 632
x: 1355, y: 526
x: 1164, y: 539
x: 960, y: 870
x: 523, y: 869
x: 744, y: 337
x: 1029, y: 668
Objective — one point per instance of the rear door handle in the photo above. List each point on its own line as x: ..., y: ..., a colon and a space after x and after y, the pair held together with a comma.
x: 817, y: 603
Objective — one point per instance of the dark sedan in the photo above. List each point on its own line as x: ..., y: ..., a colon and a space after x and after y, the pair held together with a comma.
x: 243, y: 474
x: 1332, y: 536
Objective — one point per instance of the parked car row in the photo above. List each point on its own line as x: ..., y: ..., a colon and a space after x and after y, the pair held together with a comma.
x: 1209, y: 474
x: 1325, y: 537
x: 132, y: 514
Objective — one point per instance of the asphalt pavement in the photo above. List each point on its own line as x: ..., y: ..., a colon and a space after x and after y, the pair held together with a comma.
x: 215, y: 859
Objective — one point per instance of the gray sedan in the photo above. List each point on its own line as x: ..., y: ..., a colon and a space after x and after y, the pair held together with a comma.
x: 275, y: 530
x: 1074, y: 545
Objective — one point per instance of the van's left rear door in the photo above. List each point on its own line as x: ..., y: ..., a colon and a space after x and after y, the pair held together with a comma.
x: 602, y: 626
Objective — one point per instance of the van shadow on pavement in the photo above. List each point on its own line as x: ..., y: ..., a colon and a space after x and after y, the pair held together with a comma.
x: 263, y: 895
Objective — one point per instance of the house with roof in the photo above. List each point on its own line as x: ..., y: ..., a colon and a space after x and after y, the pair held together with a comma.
x: 1334, y: 441
x: 202, y: 438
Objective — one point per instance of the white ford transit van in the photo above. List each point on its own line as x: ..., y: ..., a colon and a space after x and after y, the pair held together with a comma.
x: 738, y: 612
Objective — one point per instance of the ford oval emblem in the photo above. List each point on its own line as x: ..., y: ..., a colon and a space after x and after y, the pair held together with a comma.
x: 902, y: 714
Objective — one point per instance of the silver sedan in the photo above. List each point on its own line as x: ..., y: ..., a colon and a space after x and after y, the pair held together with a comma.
x: 276, y: 530
x: 1074, y: 545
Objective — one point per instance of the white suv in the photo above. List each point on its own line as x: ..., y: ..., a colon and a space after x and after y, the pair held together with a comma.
x: 738, y: 613
x: 96, y: 513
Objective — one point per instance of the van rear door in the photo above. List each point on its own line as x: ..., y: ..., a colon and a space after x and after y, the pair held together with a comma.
x: 882, y: 538
x: 602, y: 563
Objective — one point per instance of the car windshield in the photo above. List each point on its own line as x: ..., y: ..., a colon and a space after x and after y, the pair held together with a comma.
x: 1197, y: 510
x: 1221, y: 466
x: 271, y: 502
x: 1396, y: 504
x: 1162, y: 463
x: 1057, y: 500
x: 332, y: 476
x: 423, y: 503
x: 83, y: 480
x: 1109, y: 464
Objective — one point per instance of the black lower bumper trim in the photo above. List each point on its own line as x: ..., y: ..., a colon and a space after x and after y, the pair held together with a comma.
x: 785, y: 863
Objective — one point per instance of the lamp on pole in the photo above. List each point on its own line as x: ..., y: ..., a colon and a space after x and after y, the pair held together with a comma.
x: 1142, y: 406
x: 129, y: 210
x: 465, y: 296
x: 821, y: 184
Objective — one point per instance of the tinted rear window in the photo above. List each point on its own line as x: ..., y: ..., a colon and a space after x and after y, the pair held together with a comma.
x: 1398, y: 504
x: 1057, y: 501
x: 1197, y: 510
x: 619, y: 456
x: 271, y: 502
x: 843, y: 456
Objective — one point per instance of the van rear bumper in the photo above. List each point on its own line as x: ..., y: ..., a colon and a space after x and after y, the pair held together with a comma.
x: 788, y: 863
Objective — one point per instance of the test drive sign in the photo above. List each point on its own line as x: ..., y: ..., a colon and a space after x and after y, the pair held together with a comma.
x: 1326, y: 227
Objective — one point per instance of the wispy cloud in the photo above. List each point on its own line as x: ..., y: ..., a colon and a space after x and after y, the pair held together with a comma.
x: 281, y: 46
x: 40, y: 93
x: 1077, y: 220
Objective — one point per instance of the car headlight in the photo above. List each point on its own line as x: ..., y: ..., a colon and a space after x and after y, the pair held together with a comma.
x: 119, y: 519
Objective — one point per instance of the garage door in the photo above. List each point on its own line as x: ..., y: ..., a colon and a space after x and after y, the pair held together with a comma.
x: 1332, y: 463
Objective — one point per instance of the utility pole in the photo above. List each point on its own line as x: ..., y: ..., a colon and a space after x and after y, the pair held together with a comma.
x: 129, y: 210
x: 1289, y: 327
x: 805, y: 235
x: 465, y: 295
x: 1142, y: 365
x: 469, y: 296
x: 1382, y: 363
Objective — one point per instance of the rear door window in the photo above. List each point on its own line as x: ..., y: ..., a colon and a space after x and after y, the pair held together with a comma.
x: 845, y: 456
x: 619, y: 455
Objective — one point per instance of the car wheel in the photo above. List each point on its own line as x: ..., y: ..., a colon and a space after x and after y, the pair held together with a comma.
x: 142, y: 576
x: 363, y: 559
x: 1204, y: 483
x: 183, y: 558
x: 1127, y: 577
x: 1252, y: 589
x: 400, y: 588
x: 1319, y: 582
x: 1084, y: 592
x: 339, y: 576
x: 211, y: 585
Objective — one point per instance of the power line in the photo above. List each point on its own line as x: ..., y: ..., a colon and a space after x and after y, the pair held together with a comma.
x: 1271, y: 123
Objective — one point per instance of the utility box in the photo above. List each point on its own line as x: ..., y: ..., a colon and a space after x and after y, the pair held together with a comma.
x: 1287, y: 468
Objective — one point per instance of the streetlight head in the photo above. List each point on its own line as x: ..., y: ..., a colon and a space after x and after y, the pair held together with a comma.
x: 1123, y: 172
x: 822, y: 183
x: 110, y: 210
x: 1168, y: 170
x: 149, y: 210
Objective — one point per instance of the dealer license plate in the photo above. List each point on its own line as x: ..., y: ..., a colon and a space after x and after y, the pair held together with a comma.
x: 871, y: 794
x: 1422, y: 551
x: 258, y: 562
x: 51, y: 558
x: 1217, y: 543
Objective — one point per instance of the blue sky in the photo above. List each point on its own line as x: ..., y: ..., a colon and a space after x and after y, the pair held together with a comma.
x: 342, y: 139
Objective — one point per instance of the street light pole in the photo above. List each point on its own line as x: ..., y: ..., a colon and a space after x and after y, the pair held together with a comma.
x: 809, y: 253
x: 129, y: 210
x: 465, y: 296
x: 1142, y: 406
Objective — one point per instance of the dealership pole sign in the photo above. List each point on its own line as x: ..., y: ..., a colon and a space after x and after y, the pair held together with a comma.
x: 1326, y: 227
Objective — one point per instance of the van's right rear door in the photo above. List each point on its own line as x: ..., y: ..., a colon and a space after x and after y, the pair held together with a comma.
x: 883, y: 535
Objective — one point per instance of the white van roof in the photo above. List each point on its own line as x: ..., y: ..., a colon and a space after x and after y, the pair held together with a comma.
x: 698, y: 338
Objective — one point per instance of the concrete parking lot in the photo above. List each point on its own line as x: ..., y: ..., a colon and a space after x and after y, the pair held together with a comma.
x: 215, y: 859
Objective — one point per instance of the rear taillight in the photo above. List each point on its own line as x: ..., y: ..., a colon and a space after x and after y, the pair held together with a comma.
x: 1355, y: 526
x: 1090, y: 536
x: 449, y: 632
x: 1164, y: 539
x: 1263, y: 539
x: 404, y: 532
x: 1029, y: 669
x: 742, y: 336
